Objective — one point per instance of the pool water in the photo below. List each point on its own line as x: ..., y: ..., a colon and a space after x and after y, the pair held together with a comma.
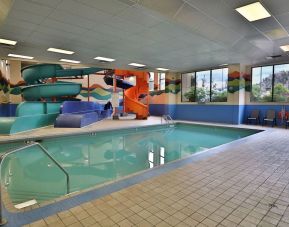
x: 94, y: 159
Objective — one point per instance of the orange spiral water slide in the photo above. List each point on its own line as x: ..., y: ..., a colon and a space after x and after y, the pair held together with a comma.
x: 132, y: 95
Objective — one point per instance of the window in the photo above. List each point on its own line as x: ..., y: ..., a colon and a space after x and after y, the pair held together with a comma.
x: 151, y: 81
x: 205, y: 86
x: 281, y: 83
x: 157, y: 83
x: 188, y: 87
x: 219, y: 89
x: 203, y: 81
x: 262, y: 84
x: 270, y: 83
x: 162, y: 81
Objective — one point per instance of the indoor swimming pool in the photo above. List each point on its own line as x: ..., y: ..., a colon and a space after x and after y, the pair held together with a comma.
x: 92, y: 159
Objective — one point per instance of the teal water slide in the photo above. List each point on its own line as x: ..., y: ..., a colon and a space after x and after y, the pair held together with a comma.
x: 33, y: 113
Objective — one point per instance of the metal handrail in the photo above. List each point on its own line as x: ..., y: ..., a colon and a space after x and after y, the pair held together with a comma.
x: 170, y: 119
x: 167, y: 119
x: 2, y: 158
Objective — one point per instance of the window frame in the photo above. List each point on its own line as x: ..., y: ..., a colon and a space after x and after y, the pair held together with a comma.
x: 182, y: 87
x: 159, y: 81
x: 273, y: 81
x: 195, y: 72
x: 153, y: 76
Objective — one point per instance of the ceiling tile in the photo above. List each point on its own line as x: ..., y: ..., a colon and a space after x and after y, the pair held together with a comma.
x: 32, y: 7
x: 277, y: 6
x: 139, y: 16
x: 112, y: 7
x: 190, y: 17
x: 166, y: 7
x: 71, y: 19
x: 267, y: 24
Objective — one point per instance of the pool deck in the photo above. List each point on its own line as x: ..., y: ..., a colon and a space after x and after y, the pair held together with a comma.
x: 243, y: 183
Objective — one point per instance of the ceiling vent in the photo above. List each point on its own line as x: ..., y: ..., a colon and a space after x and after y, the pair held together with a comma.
x: 103, y: 62
x: 7, y: 46
x: 274, y: 56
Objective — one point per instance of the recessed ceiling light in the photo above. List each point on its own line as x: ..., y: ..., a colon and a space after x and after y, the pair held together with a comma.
x: 223, y: 65
x: 162, y: 69
x: 8, y: 42
x: 253, y: 12
x: 104, y: 59
x: 69, y: 61
x: 285, y: 48
x: 61, y: 51
x: 136, y: 64
x: 20, y: 56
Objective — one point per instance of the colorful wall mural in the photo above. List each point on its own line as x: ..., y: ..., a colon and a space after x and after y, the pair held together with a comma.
x: 98, y: 90
x: 238, y: 81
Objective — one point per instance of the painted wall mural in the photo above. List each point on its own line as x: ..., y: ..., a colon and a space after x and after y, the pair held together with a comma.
x: 7, y: 88
x: 238, y: 81
x: 173, y: 86
x: 98, y: 93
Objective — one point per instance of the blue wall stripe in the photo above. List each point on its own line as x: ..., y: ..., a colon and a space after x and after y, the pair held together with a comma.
x: 7, y: 110
x: 230, y: 114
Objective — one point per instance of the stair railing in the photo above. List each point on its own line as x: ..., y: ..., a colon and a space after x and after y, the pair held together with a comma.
x: 167, y: 119
x: 3, y: 156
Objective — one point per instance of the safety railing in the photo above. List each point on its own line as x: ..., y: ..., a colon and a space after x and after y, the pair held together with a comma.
x: 167, y: 119
x: 3, y: 157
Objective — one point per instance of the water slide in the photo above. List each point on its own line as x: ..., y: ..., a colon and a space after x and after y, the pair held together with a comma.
x: 42, y: 99
x: 75, y: 114
x: 131, y: 95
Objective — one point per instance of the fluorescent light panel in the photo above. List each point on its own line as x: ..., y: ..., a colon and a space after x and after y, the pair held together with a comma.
x: 69, y: 61
x: 162, y: 69
x: 136, y: 64
x: 223, y: 65
x: 104, y: 59
x: 253, y: 12
x: 20, y: 56
x: 61, y: 51
x: 285, y: 48
x: 8, y: 42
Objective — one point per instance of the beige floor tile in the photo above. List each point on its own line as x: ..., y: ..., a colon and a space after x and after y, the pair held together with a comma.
x: 210, y: 223
x: 125, y: 223
x: 69, y: 220
x: 40, y: 223
x: 88, y: 221
x: 153, y: 219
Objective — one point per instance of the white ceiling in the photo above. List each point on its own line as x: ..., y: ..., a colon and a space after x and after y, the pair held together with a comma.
x: 176, y: 34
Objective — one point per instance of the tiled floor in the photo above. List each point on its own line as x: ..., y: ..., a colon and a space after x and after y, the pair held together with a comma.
x: 246, y: 185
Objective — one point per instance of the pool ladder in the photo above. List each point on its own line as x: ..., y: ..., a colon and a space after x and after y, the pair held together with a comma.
x: 167, y: 120
x: 3, y: 156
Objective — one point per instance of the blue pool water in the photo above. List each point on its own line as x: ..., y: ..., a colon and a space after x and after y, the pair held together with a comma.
x: 97, y: 158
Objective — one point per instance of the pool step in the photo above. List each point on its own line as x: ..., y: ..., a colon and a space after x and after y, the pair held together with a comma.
x: 26, y: 204
x: 22, y: 196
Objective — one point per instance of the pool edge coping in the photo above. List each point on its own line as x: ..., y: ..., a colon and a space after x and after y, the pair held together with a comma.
x: 86, y: 195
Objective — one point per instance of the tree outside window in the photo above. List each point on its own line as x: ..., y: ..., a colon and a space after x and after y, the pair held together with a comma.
x: 205, y: 86
x: 281, y: 83
x: 268, y: 86
x: 188, y: 87
x: 219, y: 85
x: 262, y: 84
